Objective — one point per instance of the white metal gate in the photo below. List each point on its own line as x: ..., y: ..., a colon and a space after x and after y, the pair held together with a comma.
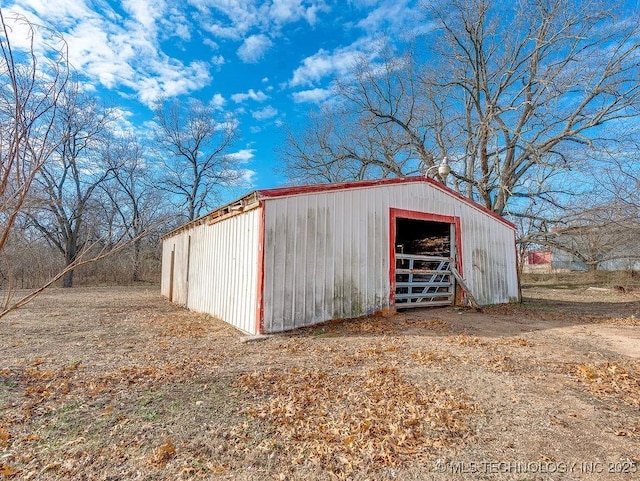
x: 423, y: 281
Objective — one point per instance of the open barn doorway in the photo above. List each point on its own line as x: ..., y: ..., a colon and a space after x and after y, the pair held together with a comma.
x: 423, y: 259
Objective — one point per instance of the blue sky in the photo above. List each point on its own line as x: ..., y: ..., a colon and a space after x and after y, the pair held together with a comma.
x: 265, y: 63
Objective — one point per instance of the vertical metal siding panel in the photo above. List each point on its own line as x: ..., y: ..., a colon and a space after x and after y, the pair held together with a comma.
x: 361, y: 244
x: 269, y: 267
x: 275, y: 220
x: 291, y: 264
x: 335, y: 261
x: 333, y: 233
x: 213, y: 276
x: 223, y: 275
x: 298, y: 296
x: 338, y: 263
x: 340, y: 273
x: 179, y: 271
x: 249, y: 274
x: 348, y: 254
x: 311, y: 242
x: 383, y: 239
x: 166, y: 266
x: 481, y: 260
x: 320, y: 257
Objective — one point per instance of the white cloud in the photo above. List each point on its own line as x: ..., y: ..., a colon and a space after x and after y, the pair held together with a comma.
x: 60, y: 13
x: 172, y: 81
x: 176, y: 23
x: 122, y: 124
x: 389, y: 13
x: 315, y: 96
x: 399, y: 16
x: 239, y: 178
x: 313, y: 69
x: 286, y: 11
x: 242, y: 156
x: 253, y: 48
x: 247, y: 177
x: 121, y: 52
x: 210, y: 43
x: 217, y: 101
x: 227, y: 18
x: 217, y: 60
x: 265, y: 113
x: 338, y: 63
x: 258, y: 96
x: 144, y: 13
x: 234, y: 19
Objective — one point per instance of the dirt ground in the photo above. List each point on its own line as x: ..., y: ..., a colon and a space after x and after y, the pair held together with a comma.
x: 117, y: 383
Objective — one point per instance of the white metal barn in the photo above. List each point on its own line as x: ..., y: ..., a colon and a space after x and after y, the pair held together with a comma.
x: 284, y: 258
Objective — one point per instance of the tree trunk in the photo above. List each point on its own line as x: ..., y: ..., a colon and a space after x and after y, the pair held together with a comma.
x: 136, y: 261
x: 67, y: 279
x: 70, y: 258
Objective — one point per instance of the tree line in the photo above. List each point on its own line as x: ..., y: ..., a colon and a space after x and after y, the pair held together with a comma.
x: 78, y: 192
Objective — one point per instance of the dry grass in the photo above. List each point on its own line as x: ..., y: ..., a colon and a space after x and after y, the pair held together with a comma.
x: 118, y: 384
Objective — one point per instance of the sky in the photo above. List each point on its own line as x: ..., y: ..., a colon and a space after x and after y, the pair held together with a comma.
x: 266, y: 63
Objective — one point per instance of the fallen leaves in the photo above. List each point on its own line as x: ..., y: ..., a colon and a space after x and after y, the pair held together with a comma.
x: 515, y: 341
x: 467, y: 341
x: 348, y: 420
x: 163, y: 454
x: 4, y: 437
x: 615, y: 378
x: 7, y: 471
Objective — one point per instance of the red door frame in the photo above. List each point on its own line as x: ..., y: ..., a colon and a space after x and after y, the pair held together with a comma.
x: 394, y: 214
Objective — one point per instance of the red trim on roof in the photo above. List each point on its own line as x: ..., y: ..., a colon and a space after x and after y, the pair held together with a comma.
x: 313, y: 188
x: 309, y: 189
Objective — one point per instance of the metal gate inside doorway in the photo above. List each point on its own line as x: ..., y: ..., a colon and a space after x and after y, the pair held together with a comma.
x: 423, y: 281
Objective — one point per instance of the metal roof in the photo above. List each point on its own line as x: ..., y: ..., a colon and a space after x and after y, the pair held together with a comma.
x: 253, y: 199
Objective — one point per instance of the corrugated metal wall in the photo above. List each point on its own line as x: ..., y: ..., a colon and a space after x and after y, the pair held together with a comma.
x: 327, y: 253
x: 222, y: 278
x: 176, y: 247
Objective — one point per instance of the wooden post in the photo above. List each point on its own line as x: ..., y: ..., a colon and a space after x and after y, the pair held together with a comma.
x: 465, y: 288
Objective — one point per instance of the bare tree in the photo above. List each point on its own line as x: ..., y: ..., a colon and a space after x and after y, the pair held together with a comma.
x: 135, y: 204
x: 601, y: 236
x: 198, y: 163
x: 30, y: 88
x: 345, y: 141
x: 515, y: 94
x: 42, y: 138
x: 66, y: 184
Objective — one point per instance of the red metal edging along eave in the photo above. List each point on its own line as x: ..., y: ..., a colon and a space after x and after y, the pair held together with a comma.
x: 317, y: 188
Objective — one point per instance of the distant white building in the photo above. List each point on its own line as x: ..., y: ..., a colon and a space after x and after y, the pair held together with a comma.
x: 284, y: 258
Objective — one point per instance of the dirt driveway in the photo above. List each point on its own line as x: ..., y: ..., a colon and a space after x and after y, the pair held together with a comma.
x: 116, y: 383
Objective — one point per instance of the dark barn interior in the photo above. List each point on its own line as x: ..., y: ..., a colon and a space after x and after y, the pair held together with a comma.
x: 422, y: 237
